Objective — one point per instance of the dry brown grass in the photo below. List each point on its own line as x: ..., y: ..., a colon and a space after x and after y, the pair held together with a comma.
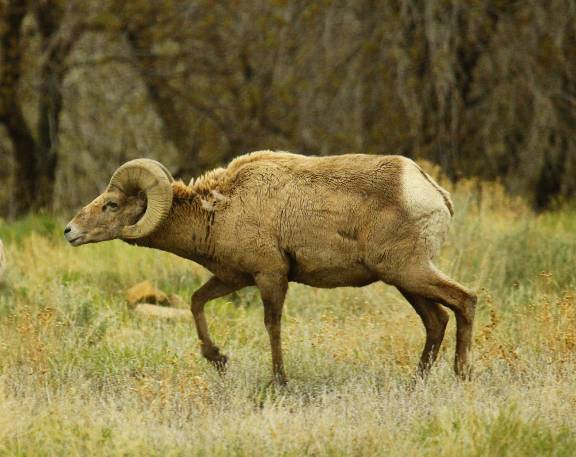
x: 81, y: 374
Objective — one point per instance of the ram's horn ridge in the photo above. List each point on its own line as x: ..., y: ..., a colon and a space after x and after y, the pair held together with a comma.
x: 155, y: 181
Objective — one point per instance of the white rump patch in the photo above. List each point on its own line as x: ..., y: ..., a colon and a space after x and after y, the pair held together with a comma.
x: 426, y: 207
x: 420, y: 196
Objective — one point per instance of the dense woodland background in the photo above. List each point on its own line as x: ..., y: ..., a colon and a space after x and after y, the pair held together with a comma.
x: 482, y: 87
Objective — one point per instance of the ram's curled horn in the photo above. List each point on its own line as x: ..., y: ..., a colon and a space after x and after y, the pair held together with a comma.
x: 152, y: 178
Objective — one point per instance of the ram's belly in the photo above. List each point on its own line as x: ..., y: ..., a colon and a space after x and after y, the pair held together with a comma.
x: 331, y: 262
x: 355, y: 276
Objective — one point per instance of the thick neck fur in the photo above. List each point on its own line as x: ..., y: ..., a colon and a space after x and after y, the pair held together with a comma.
x: 187, y: 231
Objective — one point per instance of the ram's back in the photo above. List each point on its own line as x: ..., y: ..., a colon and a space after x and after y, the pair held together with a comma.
x: 367, y: 175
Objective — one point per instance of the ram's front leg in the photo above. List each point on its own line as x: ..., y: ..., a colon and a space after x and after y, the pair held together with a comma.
x: 273, y: 289
x: 212, y: 289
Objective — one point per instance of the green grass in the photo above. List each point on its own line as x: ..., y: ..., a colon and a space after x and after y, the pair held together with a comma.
x: 80, y: 374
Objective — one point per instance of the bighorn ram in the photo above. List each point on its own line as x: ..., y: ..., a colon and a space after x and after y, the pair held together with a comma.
x: 273, y: 217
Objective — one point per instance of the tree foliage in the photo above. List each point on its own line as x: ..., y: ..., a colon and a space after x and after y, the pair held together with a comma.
x: 482, y: 87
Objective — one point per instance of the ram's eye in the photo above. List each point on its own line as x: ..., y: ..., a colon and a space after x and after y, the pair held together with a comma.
x: 112, y: 206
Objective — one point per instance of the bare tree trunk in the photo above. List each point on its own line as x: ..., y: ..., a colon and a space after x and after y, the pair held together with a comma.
x: 35, y: 155
x: 49, y: 17
x: 23, y: 143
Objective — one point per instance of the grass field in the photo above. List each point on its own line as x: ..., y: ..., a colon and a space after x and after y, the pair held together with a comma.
x: 81, y: 375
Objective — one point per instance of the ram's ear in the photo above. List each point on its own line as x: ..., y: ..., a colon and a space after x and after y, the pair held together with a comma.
x: 141, y: 201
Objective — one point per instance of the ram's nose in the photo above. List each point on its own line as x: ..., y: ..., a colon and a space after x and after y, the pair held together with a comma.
x: 71, y: 234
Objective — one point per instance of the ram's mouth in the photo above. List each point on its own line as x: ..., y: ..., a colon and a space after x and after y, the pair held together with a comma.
x: 76, y: 241
x: 75, y: 238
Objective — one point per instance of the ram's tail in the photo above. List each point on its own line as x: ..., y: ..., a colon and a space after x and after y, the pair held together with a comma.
x: 445, y: 194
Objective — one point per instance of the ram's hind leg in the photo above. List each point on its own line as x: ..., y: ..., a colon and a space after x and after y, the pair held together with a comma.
x: 427, y: 281
x: 212, y: 289
x: 273, y: 288
x: 435, y: 320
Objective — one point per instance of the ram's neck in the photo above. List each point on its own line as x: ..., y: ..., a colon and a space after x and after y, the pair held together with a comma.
x: 186, y: 232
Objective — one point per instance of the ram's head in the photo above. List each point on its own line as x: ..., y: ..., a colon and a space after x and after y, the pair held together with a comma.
x: 134, y: 204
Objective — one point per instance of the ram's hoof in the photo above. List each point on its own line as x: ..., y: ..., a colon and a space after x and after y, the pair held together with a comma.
x: 278, y: 381
x: 213, y: 355
x: 220, y: 363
